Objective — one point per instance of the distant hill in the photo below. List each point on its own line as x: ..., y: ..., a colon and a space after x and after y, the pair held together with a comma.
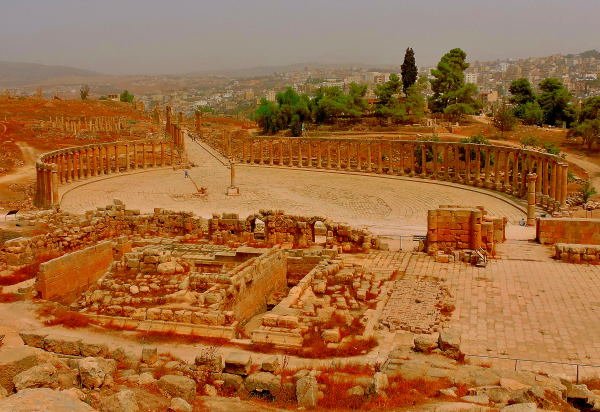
x: 21, y: 74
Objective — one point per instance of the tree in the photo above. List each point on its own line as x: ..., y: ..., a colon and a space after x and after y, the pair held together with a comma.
x: 84, y: 91
x: 555, y: 101
x: 409, y: 70
x: 289, y: 111
x: 415, y: 102
x: 504, y: 119
x: 388, y: 105
x: 450, y: 93
x: 587, y: 191
x: 126, y: 97
x: 588, y: 126
x: 331, y: 102
x: 530, y: 113
x: 522, y: 92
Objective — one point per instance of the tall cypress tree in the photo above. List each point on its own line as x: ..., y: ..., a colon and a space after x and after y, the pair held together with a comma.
x: 409, y: 70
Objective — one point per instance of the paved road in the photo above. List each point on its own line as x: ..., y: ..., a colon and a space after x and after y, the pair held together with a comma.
x: 385, y: 205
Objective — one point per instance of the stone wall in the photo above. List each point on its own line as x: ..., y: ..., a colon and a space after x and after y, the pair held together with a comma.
x: 457, y: 227
x: 275, y: 228
x: 268, y: 275
x: 577, y: 253
x: 64, y: 278
x: 573, y: 230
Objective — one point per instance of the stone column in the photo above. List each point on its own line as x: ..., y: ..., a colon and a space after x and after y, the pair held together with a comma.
x: 144, y: 162
x: 369, y: 158
x: 348, y: 155
x: 531, y: 179
x: 88, y: 168
x: 545, y: 181
x: 299, y: 153
x: 328, y: 154
x: 538, y: 182
x: 261, y: 159
x: 434, y: 148
x: 127, y: 166
x: 69, y: 158
x: 468, y: 179
x: 446, y: 163
x: 309, y: 153
x: 154, y: 156
x: 456, y: 153
x: 54, y: 184
x: 291, y: 152
x: 477, y: 165
x: 390, y: 159
x: 379, y: 160
x: 423, y: 160
x: 339, y: 153
x: 515, y: 175
x: 319, y: 154
x: 506, y: 180
x: 553, y: 184
x: 162, y: 154
x: 496, y: 182
x: 251, y: 150
x: 61, y: 168
x: 564, y: 184
x: 488, y: 167
x: 271, y: 152
x: 411, y: 158
x: 280, y: 152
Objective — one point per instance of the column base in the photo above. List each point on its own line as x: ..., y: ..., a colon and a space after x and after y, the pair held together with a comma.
x: 233, y: 191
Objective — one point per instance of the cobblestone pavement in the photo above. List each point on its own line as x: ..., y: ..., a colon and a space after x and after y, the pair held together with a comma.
x: 524, y: 305
x: 386, y: 205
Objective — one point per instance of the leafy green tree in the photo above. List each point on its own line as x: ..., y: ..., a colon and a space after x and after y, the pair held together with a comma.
x: 289, y: 111
x: 589, y: 130
x: 588, y: 126
x: 415, y: 102
x: 267, y: 116
x: 409, y: 70
x: 530, y: 113
x: 521, y: 92
x: 587, y: 191
x: 450, y: 93
x: 504, y: 119
x: 126, y: 97
x: 331, y: 102
x: 388, y: 104
x: 555, y: 101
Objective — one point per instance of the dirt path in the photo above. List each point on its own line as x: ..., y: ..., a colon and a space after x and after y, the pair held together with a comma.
x: 27, y: 171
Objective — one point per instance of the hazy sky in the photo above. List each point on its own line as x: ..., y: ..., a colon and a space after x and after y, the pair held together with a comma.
x: 176, y: 36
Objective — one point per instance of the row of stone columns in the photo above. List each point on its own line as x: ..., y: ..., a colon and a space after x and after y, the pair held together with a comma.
x: 497, y: 168
x: 94, y: 124
x: 76, y: 163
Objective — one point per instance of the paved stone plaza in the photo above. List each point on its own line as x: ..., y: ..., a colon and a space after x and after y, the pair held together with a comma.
x: 387, y: 205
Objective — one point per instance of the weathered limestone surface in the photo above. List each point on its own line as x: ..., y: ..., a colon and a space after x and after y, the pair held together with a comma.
x: 568, y: 230
x: 64, y: 278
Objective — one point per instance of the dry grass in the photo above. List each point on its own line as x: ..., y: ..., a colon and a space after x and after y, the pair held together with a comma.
x: 592, y: 383
x: 57, y: 315
x: 28, y: 271
x: 9, y: 297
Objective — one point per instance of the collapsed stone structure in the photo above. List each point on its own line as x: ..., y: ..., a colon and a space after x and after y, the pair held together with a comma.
x: 451, y: 228
x: 575, y: 240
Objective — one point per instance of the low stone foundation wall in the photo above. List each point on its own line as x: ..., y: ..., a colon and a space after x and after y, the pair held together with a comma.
x: 573, y: 253
x: 64, y: 278
x: 205, y: 331
x: 572, y: 230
